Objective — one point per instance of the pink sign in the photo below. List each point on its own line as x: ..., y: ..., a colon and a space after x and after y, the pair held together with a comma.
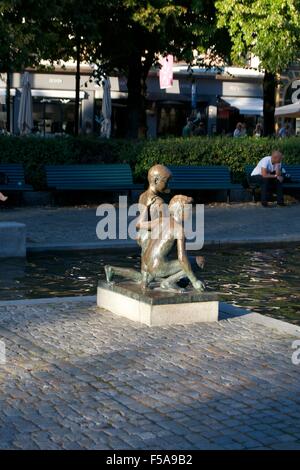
x: 166, y: 72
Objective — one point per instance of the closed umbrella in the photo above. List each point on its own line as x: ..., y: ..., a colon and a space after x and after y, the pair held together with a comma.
x: 106, y: 110
x: 25, y: 119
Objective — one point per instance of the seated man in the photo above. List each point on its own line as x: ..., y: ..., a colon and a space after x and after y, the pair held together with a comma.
x: 268, y: 175
x: 165, y: 233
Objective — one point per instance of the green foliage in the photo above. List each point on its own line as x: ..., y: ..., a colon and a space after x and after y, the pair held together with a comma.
x: 234, y: 153
x: 269, y: 29
x: 36, y: 152
x: 25, y: 33
x: 144, y: 29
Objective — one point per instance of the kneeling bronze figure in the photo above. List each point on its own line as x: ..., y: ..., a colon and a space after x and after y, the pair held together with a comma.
x: 160, y: 228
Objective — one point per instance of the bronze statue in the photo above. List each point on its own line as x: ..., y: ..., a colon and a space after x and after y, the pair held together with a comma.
x: 160, y: 228
x: 152, y: 202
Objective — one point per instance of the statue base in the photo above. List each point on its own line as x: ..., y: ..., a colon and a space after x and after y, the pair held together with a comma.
x: 156, y: 307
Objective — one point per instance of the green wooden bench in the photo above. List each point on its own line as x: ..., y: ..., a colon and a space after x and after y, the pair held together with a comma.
x: 16, y: 178
x: 292, y: 170
x: 210, y: 178
x: 91, y: 177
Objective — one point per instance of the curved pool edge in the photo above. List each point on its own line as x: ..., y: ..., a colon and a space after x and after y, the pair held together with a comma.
x: 49, y: 300
x: 132, y: 245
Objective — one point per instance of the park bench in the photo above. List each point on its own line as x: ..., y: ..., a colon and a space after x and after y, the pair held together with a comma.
x: 292, y: 170
x: 14, y: 172
x: 205, y: 178
x: 91, y: 177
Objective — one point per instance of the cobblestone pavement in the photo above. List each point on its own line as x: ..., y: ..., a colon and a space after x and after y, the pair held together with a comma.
x: 223, y: 223
x: 77, y: 377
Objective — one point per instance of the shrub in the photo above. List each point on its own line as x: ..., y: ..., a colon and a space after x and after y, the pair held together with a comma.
x: 36, y: 152
x: 234, y: 153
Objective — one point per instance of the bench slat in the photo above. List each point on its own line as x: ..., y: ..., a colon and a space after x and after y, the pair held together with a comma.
x: 90, y: 176
x: 201, y: 177
x: 15, y: 174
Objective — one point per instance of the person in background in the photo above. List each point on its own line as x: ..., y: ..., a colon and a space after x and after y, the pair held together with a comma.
x: 238, y: 132
x: 258, y: 131
x: 188, y: 128
x: 268, y: 175
x: 200, y: 130
x: 284, y: 131
x: 88, y: 128
x: 244, y: 130
x: 2, y: 197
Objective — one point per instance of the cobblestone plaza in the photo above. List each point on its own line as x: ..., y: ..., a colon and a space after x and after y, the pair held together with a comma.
x: 77, y: 377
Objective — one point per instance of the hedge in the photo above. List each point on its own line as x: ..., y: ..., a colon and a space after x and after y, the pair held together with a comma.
x: 35, y: 152
x: 234, y: 153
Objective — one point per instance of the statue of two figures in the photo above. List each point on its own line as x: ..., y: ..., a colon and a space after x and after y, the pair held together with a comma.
x: 160, y: 227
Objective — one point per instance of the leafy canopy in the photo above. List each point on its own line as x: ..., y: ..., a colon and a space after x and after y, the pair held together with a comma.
x: 146, y: 28
x: 269, y: 29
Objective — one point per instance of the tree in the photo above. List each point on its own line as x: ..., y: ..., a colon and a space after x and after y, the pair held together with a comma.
x: 24, y: 37
x: 268, y: 29
x: 14, y: 46
x: 76, y: 28
x: 31, y: 30
x: 134, y: 33
x: 125, y: 37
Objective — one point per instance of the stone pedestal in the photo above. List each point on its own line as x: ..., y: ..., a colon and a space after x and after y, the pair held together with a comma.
x: 156, y: 307
x: 12, y: 240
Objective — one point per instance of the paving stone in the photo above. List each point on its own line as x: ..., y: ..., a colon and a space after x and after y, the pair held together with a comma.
x: 79, y: 378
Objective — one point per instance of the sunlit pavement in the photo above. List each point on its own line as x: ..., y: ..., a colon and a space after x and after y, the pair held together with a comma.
x: 76, y: 377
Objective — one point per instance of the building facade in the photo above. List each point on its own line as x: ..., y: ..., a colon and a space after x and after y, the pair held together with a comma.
x: 218, y: 97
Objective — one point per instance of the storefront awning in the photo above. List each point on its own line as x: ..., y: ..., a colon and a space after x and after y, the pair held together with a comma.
x: 290, y: 110
x: 64, y: 94
x: 248, y: 106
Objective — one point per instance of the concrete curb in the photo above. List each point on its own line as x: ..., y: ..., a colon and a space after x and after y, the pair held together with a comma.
x: 49, y: 300
x: 131, y: 244
x: 96, y: 246
x: 282, y: 241
x: 230, y: 310
x: 282, y: 326
x: 12, y: 240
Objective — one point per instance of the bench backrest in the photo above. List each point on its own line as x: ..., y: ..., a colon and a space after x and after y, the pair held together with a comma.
x: 293, y: 170
x: 14, y: 172
x: 248, y: 169
x: 202, y: 176
x: 78, y: 175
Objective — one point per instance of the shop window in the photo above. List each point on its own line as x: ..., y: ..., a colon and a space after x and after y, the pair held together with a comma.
x: 53, y: 116
x: 119, y: 118
x: 171, y: 119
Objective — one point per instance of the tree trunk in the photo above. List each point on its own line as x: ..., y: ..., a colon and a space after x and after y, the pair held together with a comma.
x: 7, y: 100
x: 77, y: 93
x: 136, y: 105
x: 269, y: 89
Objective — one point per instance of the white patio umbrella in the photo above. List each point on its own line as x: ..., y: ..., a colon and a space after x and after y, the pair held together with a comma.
x: 25, y: 118
x: 106, y: 109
